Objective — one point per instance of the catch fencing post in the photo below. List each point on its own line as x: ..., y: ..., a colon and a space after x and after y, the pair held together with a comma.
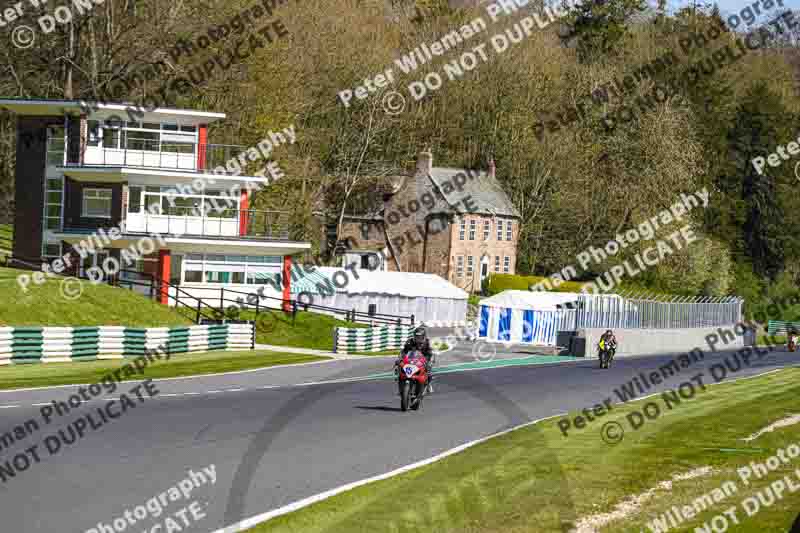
x: 252, y: 335
x: 197, y: 320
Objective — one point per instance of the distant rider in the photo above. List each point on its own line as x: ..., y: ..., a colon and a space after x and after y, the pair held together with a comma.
x: 419, y: 342
x: 608, y: 341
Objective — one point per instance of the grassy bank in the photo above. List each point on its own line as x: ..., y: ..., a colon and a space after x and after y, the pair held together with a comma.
x: 50, y: 304
x: 307, y: 330
x: 536, y: 480
x: 42, y: 375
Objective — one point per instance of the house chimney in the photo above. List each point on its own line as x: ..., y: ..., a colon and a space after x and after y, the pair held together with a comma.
x: 491, y: 166
x: 425, y: 162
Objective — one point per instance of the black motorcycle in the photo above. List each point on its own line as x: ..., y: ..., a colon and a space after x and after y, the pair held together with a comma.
x: 606, y: 356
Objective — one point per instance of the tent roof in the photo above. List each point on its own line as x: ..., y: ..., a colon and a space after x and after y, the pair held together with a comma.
x: 409, y: 284
x: 539, y: 300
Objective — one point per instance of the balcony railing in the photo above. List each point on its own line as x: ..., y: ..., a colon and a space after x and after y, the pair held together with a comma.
x: 155, y: 154
x: 227, y: 223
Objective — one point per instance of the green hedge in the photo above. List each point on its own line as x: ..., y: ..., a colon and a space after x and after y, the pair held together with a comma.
x: 503, y: 282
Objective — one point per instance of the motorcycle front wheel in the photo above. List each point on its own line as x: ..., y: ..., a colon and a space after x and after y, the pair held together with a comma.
x: 405, y: 393
x: 418, y: 400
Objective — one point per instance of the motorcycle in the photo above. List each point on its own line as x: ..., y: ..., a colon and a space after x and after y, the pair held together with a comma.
x: 606, y: 355
x: 412, y: 380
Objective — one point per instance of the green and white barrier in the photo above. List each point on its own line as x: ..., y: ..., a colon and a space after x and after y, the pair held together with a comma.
x: 781, y: 326
x: 54, y: 344
x: 375, y: 339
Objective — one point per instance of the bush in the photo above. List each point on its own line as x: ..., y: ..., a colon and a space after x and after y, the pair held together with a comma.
x: 503, y: 282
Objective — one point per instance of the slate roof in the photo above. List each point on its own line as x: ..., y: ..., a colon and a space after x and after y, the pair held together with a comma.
x: 485, y: 191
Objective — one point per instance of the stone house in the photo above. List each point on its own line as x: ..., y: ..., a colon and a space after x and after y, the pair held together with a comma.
x: 456, y: 223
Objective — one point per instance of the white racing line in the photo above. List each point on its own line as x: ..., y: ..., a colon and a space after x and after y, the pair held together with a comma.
x: 305, y: 502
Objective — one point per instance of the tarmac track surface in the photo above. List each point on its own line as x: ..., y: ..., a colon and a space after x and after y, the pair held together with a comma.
x: 273, y: 442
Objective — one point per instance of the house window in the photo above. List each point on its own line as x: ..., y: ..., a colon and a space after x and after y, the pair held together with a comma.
x: 499, y: 230
x: 460, y: 266
x: 462, y: 229
x: 497, y: 263
x: 93, y: 128
x: 193, y: 276
x: 96, y: 203
x: 506, y: 264
x: 50, y: 249
x: 487, y: 229
x: 237, y: 269
x: 472, y: 224
x: 134, y: 200
x: 365, y: 231
x: 53, y: 203
x: 470, y: 269
x: 508, y: 230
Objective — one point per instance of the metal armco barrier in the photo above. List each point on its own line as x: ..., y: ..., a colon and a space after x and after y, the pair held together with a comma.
x: 375, y: 339
x: 65, y: 344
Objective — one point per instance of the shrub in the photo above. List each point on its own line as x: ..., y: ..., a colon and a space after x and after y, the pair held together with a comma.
x: 502, y: 282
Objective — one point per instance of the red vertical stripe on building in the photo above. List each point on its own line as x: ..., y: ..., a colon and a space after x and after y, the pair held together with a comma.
x: 164, y: 274
x: 287, y: 282
x: 202, y: 143
x: 243, y: 214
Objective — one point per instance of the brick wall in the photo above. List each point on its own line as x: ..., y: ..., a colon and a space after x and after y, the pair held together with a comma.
x: 492, y: 248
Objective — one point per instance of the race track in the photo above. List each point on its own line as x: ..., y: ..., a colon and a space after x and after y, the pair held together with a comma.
x: 277, y: 435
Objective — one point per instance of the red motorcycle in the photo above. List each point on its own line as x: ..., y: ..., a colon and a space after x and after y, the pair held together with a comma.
x: 412, y: 380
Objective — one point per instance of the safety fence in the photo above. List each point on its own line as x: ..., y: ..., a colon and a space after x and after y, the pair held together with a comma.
x: 612, y: 311
x: 375, y: 339
x: 654, y: 311
x: 64, y: 344
x: 780, y: 326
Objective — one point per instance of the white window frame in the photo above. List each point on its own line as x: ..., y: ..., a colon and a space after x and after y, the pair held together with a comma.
x: 487, y: 229
x: 84, y: 197
x: 509, y: 230
x: 460, y: 266
x: 47, y: 203
x: 506, y: 264
x: 191, y: 136
x: 462, y: 230
x: 207, y: 265
x: 172, y: 192
x: 470, y: 265
x: 472, y: 229
x: 497, y: 263
x: 499, y: 230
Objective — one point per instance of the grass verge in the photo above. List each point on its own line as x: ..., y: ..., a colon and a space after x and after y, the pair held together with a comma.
x: 537, y: 480
x: 49, y: 374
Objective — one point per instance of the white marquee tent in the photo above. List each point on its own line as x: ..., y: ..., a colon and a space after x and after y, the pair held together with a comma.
x: 525, y: 317
x: 430, y: 298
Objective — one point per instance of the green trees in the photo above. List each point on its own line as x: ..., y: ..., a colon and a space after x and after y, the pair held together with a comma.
x: 760, y: 124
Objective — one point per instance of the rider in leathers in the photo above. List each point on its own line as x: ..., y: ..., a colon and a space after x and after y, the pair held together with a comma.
x: 420, y: 342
